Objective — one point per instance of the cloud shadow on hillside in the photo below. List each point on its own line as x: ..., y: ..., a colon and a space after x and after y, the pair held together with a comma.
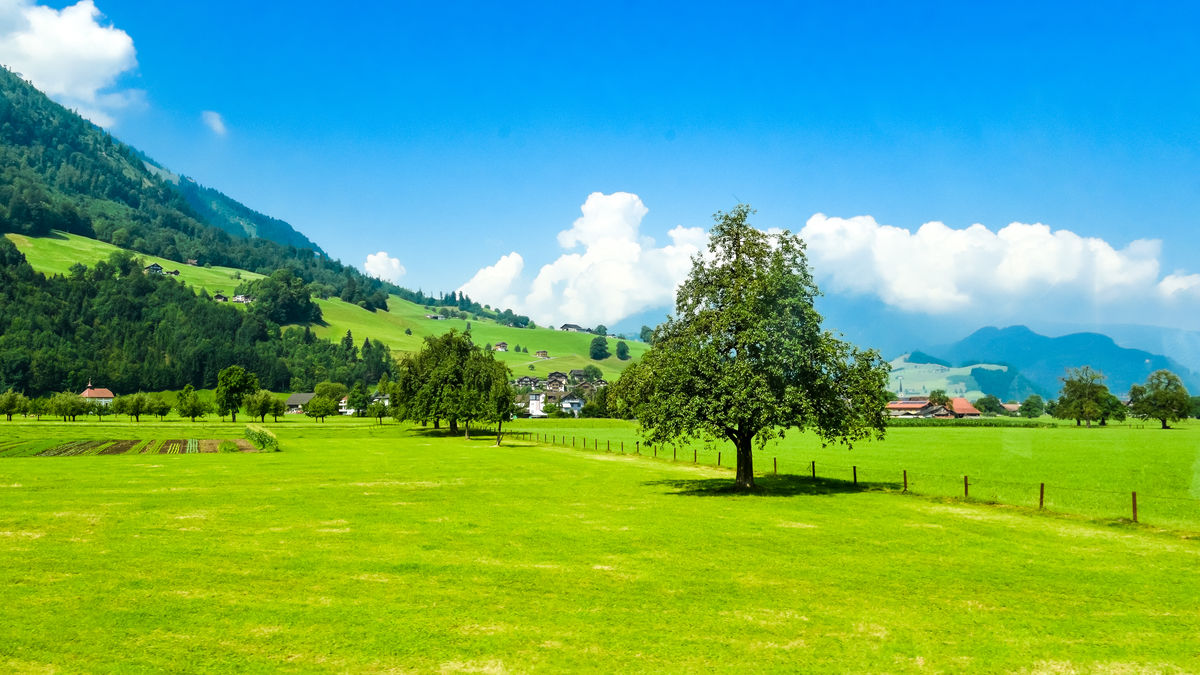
x: 766, y: 486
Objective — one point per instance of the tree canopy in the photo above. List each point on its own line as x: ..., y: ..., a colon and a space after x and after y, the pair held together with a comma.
x: 1163, y: 398
x: 744, y: 357
x: 234, y: 384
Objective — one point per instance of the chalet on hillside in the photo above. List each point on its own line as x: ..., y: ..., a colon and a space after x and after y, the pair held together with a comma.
x: 220, y: 298
x: 296, y: 402
x: 153, y: 268
x: 542, y: 354
x: 578, y: 375
x: 243, y: 299
x: 98, y: 394
x: 528, y: 381
x: 557, y: 375
x: 572, y: 404
x: 534, y: 402
x: 501, y: 347
x: 435, y: 317
x: 571, y: 328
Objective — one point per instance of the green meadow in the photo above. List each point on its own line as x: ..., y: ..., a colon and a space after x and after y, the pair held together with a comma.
x: 402, y: 328
x: 1089, y: 472
x: 392, y: 548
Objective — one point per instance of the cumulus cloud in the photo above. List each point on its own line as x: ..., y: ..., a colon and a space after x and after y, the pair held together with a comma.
x: 609, y: 273
x: 1021, y: 270
x: 214, y: 122
x: 70, y: 55
x: 384, y: 267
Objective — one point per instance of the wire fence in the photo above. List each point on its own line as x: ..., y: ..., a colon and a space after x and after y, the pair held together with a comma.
x: 1121, y: 505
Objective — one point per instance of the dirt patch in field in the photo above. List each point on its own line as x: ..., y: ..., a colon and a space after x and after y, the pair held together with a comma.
x: 209, y: 445
x: 245, y: 445
x: 119, y: 447
x: 173, y: 447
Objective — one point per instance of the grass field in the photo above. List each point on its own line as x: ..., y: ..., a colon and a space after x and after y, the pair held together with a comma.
x: 56, y: 255
x: 382, y: 549
x: 1086, y: 471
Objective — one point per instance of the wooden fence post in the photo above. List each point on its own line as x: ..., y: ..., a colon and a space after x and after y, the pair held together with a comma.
x: 1042, y: 497
x: 1135, y: 507
x: 718, y: 458
x: 966, y: 488
x: 655, y: 449
x: 694, y: 455
x: 906, y: 480
x: 776, y: 465
x: 675, y: 454
x: 814, y: 468
x: 855, y: 470
x: 608, y: 447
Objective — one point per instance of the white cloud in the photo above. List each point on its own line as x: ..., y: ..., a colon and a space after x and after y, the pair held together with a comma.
x: 616, y: 274
x: 69, y: 55
x: 1020, y: 271
x: 384, y: 267
x: 214, y: 122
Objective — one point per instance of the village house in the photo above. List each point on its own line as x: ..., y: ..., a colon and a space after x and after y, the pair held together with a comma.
x: 528, y: 381
x: 542, y: 354
x: 220, y: 298
x: 296, y: 402
x: 915, y: 407
x: 153, y: 268
x: 379, y: 397
x: 243, y: 299
x: 344, y: 406
x: 501, y: 347
x: 578, y: 375
x: 97, y: 394
x: 535, y: 403
x: 435, y: 317
x: 961, y: 407
x: 1012, y: 408
x: 571, y: 328
x: 572, y: 404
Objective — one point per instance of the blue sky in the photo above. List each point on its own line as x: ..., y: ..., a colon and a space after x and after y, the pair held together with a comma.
x: 450, y: 136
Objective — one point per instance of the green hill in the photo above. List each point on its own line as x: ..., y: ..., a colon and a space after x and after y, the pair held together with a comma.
x: 57, y: 253
x: 919, y: 377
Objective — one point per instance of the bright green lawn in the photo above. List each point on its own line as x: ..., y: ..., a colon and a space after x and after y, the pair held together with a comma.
x: 372, y: 549
x: 1086, y: 471
x: 56, y: 255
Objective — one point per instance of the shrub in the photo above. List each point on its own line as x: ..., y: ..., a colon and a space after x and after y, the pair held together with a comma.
x: 227, y: 446
x: 262, y: 439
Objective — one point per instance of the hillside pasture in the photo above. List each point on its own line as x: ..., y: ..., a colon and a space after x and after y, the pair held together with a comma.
x: 379, y: 549
x: 57, y: 254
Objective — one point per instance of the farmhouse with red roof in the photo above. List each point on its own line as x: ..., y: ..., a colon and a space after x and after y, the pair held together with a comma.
x: 97, y: 394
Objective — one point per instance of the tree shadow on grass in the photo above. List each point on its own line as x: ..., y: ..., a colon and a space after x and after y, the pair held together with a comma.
x: 768, y: 486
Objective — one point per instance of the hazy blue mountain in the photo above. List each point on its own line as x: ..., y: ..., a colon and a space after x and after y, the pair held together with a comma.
x: 1043, y: 360
x: 217, y: 208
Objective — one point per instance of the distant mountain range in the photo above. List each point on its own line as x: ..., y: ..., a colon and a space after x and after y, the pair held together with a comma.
x: 1042, y: 360
x: 230, y: 215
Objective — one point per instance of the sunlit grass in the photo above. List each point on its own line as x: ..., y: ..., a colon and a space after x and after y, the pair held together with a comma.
x: 367, y: 548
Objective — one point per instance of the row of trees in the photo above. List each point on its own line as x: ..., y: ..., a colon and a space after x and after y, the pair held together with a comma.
x: 1086, y: 399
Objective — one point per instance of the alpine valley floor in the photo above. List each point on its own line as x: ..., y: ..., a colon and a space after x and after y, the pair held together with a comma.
x: 382, y: 549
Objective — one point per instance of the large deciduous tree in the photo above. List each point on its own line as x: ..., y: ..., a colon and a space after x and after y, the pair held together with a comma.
x: 1084, y: 397
x: 189, y: 405
x: 745, y: 358
x: 1163, y: 398
x: 234, y: 384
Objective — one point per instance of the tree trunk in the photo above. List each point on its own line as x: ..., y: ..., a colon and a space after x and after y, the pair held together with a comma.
x: 499, y: 431
x: 437, y: 424
x: 468, y: 430
x: 453, y: 427
x: 233, y: 417
x: 745, y: 463
x: 1164, y: 422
